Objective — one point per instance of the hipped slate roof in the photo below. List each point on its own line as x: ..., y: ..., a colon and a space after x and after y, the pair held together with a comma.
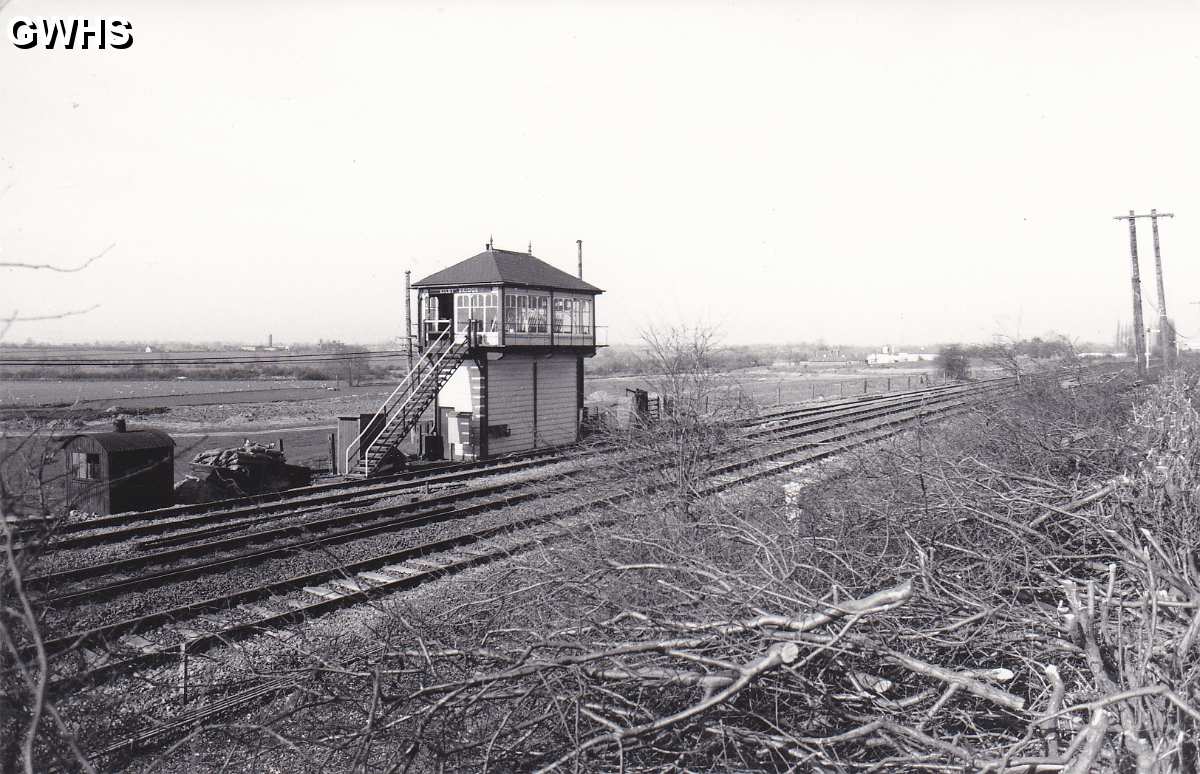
x: 130, y: 440
x: 504, y: 267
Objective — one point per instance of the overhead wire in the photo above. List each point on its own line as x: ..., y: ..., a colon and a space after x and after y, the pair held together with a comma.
x: 247, y: 359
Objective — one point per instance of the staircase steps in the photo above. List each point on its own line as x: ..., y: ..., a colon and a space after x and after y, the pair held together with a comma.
x: 424, y: 381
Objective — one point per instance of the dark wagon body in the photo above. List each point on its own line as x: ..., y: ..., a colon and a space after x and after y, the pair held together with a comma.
x: 119, y: 471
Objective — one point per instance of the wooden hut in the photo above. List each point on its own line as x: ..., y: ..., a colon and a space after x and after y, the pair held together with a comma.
x: 119, y: 471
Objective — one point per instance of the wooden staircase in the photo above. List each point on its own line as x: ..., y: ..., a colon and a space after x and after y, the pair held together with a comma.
x: 404, y: 407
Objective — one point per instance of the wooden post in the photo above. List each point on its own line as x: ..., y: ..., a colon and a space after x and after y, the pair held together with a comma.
x: 889, y: 387
x: 408, y: 316
x: 281, y: 444
x: 864, y: 386
x: 779, y: 393
x: 814, y: 390
x: 183, y: 654
x: 333, y: 460
x: 1139, y: 340
x: 1166, y: 351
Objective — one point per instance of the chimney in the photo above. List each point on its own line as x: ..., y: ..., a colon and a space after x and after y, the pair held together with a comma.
x: 119, y: 425
x: 579, y: 244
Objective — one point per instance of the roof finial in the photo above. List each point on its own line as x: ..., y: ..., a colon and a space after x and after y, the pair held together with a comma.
x: 489, y: 244
x: 531, y: 247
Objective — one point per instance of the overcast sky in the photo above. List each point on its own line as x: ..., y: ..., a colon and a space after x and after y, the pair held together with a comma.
x: 865, y: 172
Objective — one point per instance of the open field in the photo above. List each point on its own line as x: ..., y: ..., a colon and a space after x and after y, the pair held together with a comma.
x: 762, y: 384
x: 152, y: 392
x: 303, y: 446
x: 769, y: 385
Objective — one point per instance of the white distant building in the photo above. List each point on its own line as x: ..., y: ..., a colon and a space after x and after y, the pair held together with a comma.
x: 885, y: 356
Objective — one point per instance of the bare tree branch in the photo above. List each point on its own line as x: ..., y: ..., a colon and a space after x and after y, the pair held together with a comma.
x: 53, y: 267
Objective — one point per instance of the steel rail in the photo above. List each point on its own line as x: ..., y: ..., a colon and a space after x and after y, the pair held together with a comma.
x: 818, y: 449
x: 260, y: 503
x: 303, y: 530
x: 164, y: 519
x: 244, y: 518
x: 304, y: 499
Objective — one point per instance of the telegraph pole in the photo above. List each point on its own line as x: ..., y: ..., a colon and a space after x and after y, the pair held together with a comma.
x: 1139, y: 335
x: 1165, y: 341
x: 1163, y: 324
x: 408, y: 317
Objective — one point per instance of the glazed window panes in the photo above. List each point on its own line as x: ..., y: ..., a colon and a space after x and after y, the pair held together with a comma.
x: 476, y: 306
x: 573, y: 316
x: 583, y: 315
x: 563, y: 312
x: 85, y: 466
x: 526, y: 313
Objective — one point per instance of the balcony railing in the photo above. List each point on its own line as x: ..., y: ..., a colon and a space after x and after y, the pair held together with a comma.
x: 592, y: 336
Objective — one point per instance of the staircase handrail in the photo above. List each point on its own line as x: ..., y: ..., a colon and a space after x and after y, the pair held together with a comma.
x: 432, y: 374
x: 355, y: 445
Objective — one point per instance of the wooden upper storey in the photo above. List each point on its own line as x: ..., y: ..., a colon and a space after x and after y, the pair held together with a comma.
x: 515, y: 299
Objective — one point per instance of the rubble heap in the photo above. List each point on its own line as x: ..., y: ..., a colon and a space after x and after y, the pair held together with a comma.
x: 251, y: 468
x: 241, y: 457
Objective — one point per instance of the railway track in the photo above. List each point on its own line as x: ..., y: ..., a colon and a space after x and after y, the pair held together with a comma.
x: 815, y: 440
x: 247, y: 512
x: 263, y: 690
x: 65, y: 534
x: 246, y: 617
x: 347, y: 494
x: 225, y: 550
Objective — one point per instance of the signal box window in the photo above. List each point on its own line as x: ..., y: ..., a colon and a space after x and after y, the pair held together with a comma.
x: 475, y: 306
x: 526, y: 313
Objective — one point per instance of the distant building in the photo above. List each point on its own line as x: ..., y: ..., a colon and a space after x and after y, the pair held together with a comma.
x: 270, y: 346
x: 887, y: 357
